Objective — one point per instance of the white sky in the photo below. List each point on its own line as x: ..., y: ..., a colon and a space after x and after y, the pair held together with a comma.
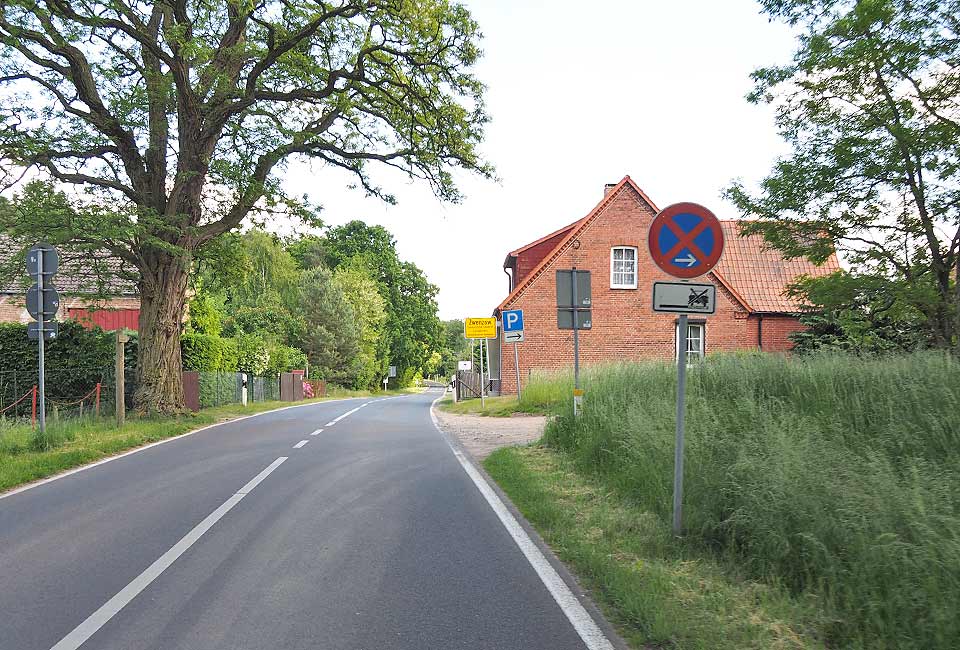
x: 581, y: 94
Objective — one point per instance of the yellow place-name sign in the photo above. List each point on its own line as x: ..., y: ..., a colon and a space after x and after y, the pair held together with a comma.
x: 480, y: 328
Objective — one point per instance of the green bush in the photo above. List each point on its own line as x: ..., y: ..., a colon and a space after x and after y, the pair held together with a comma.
x: 206, y: 353
x: 838, y: 477
x: 76, y: 361
x: 253, y: 356
x: 284, y: 358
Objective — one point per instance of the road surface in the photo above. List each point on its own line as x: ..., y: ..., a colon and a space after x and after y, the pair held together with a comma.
x: 338, y: 525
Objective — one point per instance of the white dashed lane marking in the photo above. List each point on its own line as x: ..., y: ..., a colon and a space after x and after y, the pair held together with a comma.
x: 300, y: 444
x: 99, y: 618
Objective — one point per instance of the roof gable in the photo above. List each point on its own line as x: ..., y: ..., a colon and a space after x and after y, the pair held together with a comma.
x: 575, y: 229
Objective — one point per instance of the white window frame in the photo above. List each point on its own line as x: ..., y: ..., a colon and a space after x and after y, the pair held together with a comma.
x: 614, y: 285
x: 696, y: 356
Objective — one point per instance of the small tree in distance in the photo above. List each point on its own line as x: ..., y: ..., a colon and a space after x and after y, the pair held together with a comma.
x: 174, y: 118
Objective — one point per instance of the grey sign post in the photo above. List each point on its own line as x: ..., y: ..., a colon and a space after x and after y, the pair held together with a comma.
x: 574, y: 311
x: 686, y: 241
x: 42, y: 302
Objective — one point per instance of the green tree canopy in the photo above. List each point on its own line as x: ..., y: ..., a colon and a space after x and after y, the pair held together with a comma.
x: 370, y: 314
x: 870, y: 105
x: 174, y: 120
x: 413, y: 328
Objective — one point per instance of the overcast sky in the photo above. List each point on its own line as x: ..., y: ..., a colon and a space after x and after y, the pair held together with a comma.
x: 581, y: 94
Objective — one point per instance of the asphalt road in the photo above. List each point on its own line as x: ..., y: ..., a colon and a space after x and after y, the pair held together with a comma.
x: 371, y: 536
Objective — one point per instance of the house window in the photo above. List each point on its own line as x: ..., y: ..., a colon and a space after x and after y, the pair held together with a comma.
x: 693, y: 341
x: 623, y: 267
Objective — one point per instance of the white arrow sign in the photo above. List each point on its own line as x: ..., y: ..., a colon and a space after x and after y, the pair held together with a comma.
x: 689, y: 259
x: 513, y: 337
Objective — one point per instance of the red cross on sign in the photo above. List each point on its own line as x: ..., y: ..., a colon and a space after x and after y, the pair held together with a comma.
x: 686, y: 240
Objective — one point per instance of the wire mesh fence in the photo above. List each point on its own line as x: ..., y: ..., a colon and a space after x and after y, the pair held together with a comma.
x: 90, y: 391
x: 220, y: 388
x: 67, y: 390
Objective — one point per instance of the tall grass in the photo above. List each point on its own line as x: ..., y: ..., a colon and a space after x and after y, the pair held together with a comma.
x: 834, y: 476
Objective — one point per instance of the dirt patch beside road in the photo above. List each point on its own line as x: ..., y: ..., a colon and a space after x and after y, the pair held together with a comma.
x: 481, y: 436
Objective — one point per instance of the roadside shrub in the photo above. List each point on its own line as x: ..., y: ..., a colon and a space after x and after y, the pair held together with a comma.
x: 206, y: 353
x: 835, y: 476
x: 252, y: 354
x: 284, y: 358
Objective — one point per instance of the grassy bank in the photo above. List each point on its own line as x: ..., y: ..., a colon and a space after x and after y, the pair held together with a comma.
x: 837, y: 478
x: 542, y: 395
x: 502, y: 407
x: 25, y: 456
x: 658, y: 592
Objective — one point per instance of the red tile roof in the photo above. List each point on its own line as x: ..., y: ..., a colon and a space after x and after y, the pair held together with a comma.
x: 81, y: 272
x: 755, y: 274
x: 760, y: 274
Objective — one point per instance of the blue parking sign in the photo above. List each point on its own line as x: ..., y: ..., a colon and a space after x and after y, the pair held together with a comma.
x: 512, y: 320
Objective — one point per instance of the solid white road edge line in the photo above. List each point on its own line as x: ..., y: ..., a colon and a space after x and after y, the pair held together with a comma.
x: 75, y: 470
x: 591, y: 634
x: 300, y: 444
x: 99, y: 618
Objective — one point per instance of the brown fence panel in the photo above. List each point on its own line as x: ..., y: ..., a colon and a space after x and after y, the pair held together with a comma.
x: 191, y: 390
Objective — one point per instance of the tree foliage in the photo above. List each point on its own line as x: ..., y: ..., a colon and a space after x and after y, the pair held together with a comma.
x: 861, y: 315
x: 413, y: 329
x: 370, y: 314
x: 332, y: 336
x: 870, y: 105
x: 174, y: 118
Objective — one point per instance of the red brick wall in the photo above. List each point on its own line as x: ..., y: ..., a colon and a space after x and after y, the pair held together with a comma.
x: 624, y: 325
x: 776, y: 331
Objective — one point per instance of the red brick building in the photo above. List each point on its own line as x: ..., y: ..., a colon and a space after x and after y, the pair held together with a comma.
x: 753, y: 312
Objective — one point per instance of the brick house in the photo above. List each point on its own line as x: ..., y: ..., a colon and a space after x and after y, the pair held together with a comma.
x: 96, y: 290
x: 752, y: 311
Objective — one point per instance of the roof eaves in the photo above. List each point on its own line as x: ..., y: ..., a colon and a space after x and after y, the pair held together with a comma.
x: 516, y: 252
x: 729, y: 287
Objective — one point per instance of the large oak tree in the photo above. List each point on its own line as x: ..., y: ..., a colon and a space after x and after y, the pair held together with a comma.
x: 176, y: 117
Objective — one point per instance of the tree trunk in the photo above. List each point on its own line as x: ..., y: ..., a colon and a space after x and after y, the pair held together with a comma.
x: 163, y: 295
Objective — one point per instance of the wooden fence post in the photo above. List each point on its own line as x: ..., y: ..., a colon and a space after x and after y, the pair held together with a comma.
x: 121, y: 407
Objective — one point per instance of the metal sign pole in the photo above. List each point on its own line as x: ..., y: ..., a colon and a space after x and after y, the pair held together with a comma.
x: 482, y: 382
x: 576, y: 345
x: 681, y: 411
x: 40, y: 351
x: 516, y: 365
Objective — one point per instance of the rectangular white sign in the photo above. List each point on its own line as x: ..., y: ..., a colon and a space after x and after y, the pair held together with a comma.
x: 464, y: 365
x: 684, y: 297
x: 515, y: 336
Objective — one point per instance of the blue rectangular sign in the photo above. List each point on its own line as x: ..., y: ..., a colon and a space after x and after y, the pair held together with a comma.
x: 512, y: 320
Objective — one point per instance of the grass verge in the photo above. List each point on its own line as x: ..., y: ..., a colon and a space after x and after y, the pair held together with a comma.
x: 659, y: 592
x: 25, y: 457
x: 835, y: 477
x: 501, y: 407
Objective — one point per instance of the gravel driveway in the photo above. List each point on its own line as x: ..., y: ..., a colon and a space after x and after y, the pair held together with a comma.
x: 481, y: 436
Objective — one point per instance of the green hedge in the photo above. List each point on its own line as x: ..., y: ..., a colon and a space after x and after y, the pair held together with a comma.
x: 203, y: 352
x: 75, y: 362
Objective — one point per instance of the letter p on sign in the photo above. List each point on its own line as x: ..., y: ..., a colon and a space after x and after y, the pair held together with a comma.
x: 513, y: 320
